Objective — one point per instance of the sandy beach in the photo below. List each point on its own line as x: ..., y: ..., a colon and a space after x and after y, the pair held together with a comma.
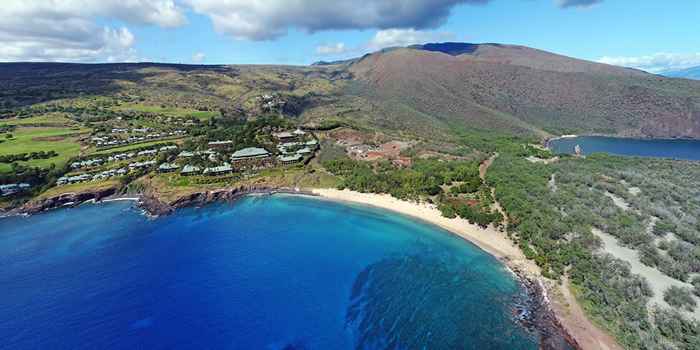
x: 489, y: 239
x: 570, y: 314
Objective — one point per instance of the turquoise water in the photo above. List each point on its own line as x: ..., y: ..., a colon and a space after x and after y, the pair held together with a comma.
x: 273, y: 272
x: 658, y: 148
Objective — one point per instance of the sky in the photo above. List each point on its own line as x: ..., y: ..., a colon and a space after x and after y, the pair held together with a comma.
x: 648, y: 34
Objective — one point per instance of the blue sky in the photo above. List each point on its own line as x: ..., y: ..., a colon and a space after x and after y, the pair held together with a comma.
x: 652, y: 35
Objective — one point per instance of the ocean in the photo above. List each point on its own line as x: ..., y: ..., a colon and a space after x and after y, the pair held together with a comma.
x: 657, y: 148
x: 265, y: 272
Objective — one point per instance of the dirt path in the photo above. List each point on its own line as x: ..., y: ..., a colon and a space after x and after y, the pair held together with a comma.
x: 573, y: 318
x: 569, y: 313
x: 483, y: 168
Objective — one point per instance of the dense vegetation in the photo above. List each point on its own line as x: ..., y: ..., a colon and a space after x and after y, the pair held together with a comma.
x: 23, y: 157
x: 467, y: 196
x: 552, y: 209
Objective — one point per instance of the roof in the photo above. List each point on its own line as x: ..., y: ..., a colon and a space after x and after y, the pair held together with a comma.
x: 305, y: 150
x: 220, y: 143
x: 168, y: 166
x: 190, y: 169
x: 218, y: 169
x: 283, y: 135
x: 250, y: 152
x: 291, y: 158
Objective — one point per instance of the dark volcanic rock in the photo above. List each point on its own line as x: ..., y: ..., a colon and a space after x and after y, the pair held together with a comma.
x: 65, y: 199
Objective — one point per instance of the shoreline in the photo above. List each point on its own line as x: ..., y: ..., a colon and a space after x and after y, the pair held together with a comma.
x: 489, y: 239
x: 550, y: 315
x: 547, y: 318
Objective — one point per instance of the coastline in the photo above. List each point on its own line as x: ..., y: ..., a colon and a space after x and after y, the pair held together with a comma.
x: 551, y: 315
x: 557, y: 309
x: 492, y: 241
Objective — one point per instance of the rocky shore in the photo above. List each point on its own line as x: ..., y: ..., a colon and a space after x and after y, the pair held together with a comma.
x: 154, y: 206
x: 149, y: 202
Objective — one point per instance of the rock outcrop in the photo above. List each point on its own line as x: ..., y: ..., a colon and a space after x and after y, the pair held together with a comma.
x: 65, y: 199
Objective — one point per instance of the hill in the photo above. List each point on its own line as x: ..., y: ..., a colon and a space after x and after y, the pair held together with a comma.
x: 689, y: 73
x: 521, y: 89
x: 424, y: 91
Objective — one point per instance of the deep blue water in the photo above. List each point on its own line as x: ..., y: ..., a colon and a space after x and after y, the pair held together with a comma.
x: 658, y: 148
x: 280, y: 272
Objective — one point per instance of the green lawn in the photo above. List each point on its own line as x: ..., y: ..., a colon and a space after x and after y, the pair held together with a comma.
x: 40, y: 119
x: 26, y: 140
x: 174, y: 111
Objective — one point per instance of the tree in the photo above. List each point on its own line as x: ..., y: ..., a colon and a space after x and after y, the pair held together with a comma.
x: 680, y: 297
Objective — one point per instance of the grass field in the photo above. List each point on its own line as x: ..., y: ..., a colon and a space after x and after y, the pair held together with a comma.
x: 79, y: 187
x: 26, y: 140
x: 173, y: 111
x: 50, y: 118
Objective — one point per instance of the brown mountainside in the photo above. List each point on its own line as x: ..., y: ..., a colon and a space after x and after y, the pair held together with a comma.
x: 518, y: 88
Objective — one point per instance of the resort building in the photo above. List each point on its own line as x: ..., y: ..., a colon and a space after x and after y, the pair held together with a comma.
x: 220, y: 144
x: 190, y: 170
x: 8, y: 190
x: 219, y: 170
x: 304, y: 151
x: 250, y: 153
x: 286, y: 160
x: 139, y: 165
x: 167, y: 167
x: 284, y: 135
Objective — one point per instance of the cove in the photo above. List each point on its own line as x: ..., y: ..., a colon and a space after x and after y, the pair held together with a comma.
x: 657, y: 148
x: 270, y: 272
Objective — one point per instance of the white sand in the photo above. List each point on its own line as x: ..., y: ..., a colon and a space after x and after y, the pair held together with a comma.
x: 494, y: 242
x: 489, y: 239
x: 619, y: 202
x: 658, y: 281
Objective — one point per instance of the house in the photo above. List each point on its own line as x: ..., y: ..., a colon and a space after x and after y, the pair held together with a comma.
x: 304, y: 151
x: 10, y: 189
x: 167, y: 167
x: 188, y: 170
x: 139, y: 165
x: 185, y: 154
x: 284, y: 135
x: 299, y: 132
x: 219, y: 170
x: 220, y: 144
x: 147, y: 152
x: 286, y: 160
x: 250, y: 153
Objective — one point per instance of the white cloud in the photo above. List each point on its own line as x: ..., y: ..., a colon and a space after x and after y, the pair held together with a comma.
x: 405, y: 37
x: 270, y: 19
x: 198, y: 57
x: 656, y: 63
x: 67, y: 30
x: 332, y: 49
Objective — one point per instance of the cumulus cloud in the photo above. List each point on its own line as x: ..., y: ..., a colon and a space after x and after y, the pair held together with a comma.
x: 270, y: 19
x: 198, y: 57
x: 331, y: 49
x: 656, y: 63
x: 67, y: 30
x: 577, y: 3
x: 405, y: 37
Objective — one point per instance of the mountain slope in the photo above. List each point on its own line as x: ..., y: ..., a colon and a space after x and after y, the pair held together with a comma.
x: 517, y: 88
x: 690, y: 73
